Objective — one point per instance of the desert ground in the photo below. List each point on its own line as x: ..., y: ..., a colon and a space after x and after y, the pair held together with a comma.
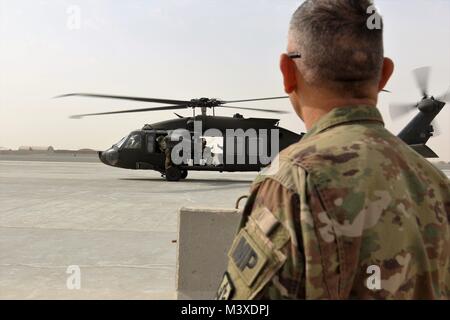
x: 118, y: 226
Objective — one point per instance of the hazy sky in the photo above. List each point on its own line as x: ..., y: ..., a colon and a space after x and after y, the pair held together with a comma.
x: 178, y: 49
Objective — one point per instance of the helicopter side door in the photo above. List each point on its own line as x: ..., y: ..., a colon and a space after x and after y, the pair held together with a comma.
x: 152, y: 157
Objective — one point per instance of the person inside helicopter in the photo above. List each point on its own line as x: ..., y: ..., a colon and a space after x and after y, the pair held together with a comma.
x: 165, y: 147
x: 134, y: 142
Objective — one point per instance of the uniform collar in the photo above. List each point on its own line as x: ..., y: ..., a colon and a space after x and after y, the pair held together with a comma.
x: 346, y: 114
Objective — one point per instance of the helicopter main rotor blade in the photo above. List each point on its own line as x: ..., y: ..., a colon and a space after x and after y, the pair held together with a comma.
x: 93, y: 95
x: 397, y: 110
x: 271, y: 98
x: 261, y: 99
x: 257, y: 109
x: 79, y: 116
x: 422, y: 76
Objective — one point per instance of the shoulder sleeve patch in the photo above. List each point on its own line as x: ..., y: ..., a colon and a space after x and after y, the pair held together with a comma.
x: 226, y: 288
x: 253, y: 262
x: 247, y: 258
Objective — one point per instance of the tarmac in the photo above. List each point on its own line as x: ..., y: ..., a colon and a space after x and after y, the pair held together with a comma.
x: 119, y: 227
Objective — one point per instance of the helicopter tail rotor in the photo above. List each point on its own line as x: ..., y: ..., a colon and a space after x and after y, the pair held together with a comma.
x: 445, y: 97
x: 422, y: 77
x: 437, y: 131
x: 398, y: 110
x: 424, y: 124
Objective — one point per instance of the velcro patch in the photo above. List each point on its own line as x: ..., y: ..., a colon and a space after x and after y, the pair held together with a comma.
x: 266, y: 221
x: 226, y: 288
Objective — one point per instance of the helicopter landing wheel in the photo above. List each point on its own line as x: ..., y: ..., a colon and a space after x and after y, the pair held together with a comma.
x: 173, y: 174
x: 184, y: 174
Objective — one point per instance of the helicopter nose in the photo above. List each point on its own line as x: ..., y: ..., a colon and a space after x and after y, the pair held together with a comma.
x: 109, y: 157
x: 101, y: 156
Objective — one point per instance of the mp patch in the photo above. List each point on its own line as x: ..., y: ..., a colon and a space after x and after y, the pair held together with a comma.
x: 226, y: 288
x: 247, y: 257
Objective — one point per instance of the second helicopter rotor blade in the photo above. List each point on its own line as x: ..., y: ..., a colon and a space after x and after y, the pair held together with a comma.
x: 141, y: 99
x: 445, y: 97
x: 396, y: 110
x: 422, y: 76
x: 250, y: 100
x: 270, y: 98
x: 257, y: 109
x: 437, y: 131
x: 79, y: 116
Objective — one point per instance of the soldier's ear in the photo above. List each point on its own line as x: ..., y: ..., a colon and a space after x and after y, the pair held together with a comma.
x: 386, y: 73
x: 289, y: 70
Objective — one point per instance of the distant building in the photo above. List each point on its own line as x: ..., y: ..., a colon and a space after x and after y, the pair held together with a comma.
x: 86, y: 151
x: 37, y: 148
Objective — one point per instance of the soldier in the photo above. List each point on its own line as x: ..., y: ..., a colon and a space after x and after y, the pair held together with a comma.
x: 164, y: 145
x: 351, y: 211
x: 208, y: 155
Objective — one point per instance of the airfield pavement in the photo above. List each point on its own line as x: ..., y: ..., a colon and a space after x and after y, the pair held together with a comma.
x: 117, y: 225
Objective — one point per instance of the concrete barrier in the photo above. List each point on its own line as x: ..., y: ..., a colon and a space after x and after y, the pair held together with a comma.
x: 204, y: 238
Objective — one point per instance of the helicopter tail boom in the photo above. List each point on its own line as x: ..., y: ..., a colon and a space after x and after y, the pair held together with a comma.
x: 424, y: 150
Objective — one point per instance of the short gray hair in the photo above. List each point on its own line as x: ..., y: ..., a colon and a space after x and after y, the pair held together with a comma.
x: 338, y: 49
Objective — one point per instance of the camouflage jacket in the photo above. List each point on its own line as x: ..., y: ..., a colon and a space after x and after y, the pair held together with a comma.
x: 350, y: 211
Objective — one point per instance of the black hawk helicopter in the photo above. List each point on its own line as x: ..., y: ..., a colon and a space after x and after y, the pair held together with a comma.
x: 422, y: 127
x: 141, y: 148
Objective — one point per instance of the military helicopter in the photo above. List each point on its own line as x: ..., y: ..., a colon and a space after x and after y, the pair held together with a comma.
x: 141, y: 150
x: 422, y: 127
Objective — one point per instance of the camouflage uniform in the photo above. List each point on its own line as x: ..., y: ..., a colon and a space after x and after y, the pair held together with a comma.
x: 348, y: 196
x: 164, y: 145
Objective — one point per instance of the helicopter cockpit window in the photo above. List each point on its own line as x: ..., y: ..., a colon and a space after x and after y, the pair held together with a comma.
x: 121, y: 142
x: 134, y: 142
x: 150, y: 143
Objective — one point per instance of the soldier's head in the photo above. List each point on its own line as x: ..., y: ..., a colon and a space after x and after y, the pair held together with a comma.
x: 335, y: 52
